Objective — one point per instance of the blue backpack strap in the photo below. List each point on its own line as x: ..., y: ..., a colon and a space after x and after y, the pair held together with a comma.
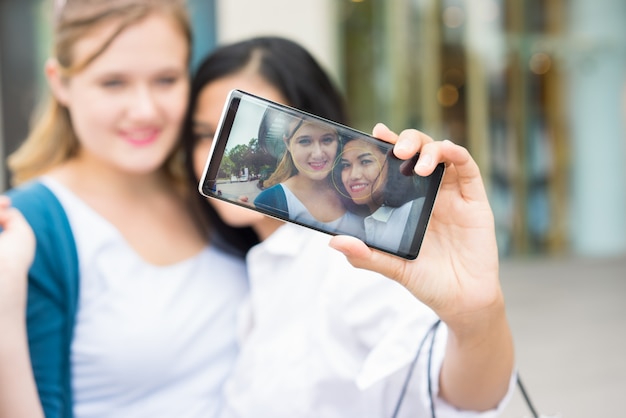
x: 52, y: 296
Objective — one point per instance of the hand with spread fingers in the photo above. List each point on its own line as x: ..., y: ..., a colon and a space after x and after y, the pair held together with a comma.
x: 456, y: 272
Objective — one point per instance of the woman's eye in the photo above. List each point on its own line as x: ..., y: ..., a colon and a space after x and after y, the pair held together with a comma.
x: 112, y: 83
x: 328, y: 140
x: 166, y: 81
x: 366, y: 161
x: 303, y: 141
x: 344, y: 165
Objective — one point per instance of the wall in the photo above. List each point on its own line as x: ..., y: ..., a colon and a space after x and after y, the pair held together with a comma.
x: 312, y: 23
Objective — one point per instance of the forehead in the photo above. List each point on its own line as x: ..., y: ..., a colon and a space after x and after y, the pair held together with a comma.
x: 213, y: 95
x: 360, y: 146
x: 311, y: 128
x: 151, y: 43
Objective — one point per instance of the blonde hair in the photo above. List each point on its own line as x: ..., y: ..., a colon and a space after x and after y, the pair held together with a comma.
x: 285, y: 169
x: 52, y: 139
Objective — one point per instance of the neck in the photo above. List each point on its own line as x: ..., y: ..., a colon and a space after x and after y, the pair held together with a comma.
x: 266, y: 227
x: 89, y: 178
x: 304, y: 182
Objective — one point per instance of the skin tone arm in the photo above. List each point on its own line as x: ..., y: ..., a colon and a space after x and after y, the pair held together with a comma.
x: 18, y: 393
x: 456, y: 273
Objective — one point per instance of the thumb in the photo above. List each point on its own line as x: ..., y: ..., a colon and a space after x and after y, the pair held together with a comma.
x: 361, y: 256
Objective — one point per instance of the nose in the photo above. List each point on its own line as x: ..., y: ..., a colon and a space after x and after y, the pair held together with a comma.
x: 355, y: 172
x: 143, y: 104
x: 317, y: 149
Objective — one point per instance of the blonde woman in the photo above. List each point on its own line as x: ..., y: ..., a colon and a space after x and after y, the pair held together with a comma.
x: 131, y: 311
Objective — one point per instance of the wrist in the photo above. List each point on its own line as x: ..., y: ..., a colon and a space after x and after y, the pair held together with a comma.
x: 476, y: 327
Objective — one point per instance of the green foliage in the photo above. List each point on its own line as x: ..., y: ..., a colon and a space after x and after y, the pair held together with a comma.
x: 250, y: 156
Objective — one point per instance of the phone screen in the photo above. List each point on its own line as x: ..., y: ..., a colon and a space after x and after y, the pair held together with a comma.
x: 304, y: 169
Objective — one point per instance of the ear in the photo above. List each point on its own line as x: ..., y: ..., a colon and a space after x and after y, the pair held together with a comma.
x: 56, y: 81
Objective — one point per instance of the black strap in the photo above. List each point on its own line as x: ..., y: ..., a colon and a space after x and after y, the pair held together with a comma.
x: 432, y: 330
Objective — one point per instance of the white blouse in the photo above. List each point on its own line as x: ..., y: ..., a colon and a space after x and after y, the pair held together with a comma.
x: 323, y: 339
x: 149, y: 341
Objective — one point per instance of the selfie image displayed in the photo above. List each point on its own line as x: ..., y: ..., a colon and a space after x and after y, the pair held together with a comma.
x: 303, y: 169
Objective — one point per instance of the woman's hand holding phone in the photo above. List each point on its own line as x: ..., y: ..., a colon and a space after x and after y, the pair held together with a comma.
x: 456, y: 272
x: 457, y: 268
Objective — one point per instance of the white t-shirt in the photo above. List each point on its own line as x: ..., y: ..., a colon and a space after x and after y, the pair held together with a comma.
x: 149, y: 341
x: 323, y: 339
x: 348, y: 223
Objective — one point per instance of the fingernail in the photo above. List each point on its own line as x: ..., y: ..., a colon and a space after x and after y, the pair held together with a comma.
x: 425, y: 160
x: 402, y: 146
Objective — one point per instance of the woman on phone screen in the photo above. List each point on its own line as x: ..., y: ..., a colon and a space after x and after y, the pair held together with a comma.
x: 376, y: 187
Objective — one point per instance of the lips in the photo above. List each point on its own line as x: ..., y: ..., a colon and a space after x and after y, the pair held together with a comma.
x: 357, y: 188
x: 317, y: 166
x: 142, y: 137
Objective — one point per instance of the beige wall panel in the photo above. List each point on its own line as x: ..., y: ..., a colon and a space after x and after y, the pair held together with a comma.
x: 312, y: 23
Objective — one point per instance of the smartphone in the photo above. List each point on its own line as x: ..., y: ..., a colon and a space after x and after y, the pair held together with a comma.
x: 304, y: 169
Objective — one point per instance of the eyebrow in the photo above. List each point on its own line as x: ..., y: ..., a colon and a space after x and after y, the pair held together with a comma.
x: 360, y: 156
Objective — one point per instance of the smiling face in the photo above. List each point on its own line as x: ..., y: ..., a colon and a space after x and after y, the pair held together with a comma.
x: 313, y: 148
x: 205, y: 120
x: 128, y: 104
x: 363, y: 172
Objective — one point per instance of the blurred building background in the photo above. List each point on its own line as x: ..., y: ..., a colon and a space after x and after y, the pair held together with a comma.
x: 534, y: 88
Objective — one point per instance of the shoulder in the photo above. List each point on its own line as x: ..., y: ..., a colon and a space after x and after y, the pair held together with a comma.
x: 273, y: 198
x: 38, y: 204
x: 30, y: 193
x: 56, y: 248
x: 273, y: 192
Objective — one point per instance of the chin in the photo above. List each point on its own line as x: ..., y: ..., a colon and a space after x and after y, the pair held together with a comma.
x: 235, y: 215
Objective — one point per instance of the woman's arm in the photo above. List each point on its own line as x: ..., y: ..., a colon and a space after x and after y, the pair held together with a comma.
x: 456, y: 273
x: 18, y: 393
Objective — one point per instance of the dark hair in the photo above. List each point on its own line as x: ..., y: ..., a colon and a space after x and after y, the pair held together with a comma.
x: 401, y: 185
x: 289, y: 68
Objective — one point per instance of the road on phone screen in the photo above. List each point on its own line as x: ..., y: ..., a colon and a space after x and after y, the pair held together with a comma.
x: 239, y: 188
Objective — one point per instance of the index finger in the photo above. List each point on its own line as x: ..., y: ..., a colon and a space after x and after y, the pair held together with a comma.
x: 465, y: 168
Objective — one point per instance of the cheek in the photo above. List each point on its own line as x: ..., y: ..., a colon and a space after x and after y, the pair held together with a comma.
x: 175, y: 103
x: 93, y: 123
x: 298, y: 153
x: 345, y: 175
x: 332, y: 149
x: 200, y: 155
x: 379, y: 177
